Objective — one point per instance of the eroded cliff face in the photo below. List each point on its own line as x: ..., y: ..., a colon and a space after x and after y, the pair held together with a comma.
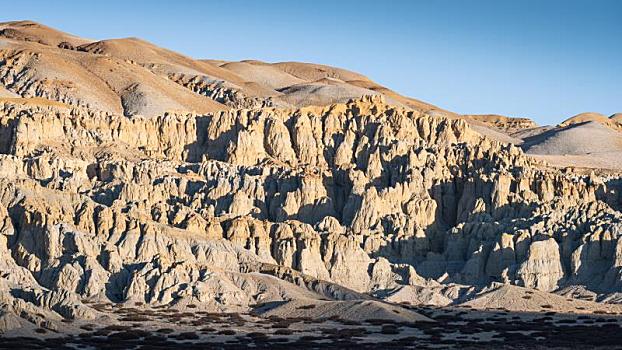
x: 239, y: 207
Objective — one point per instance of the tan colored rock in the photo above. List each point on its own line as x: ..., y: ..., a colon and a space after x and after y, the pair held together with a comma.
x: 177, y: 209
x: 543, y: 269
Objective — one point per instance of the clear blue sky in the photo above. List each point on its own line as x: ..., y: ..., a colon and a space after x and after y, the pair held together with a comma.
x: 544, y: 59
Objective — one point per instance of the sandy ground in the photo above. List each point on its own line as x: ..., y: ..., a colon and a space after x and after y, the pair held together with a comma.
x: 589, y: 138
x: 453, y: 327
x: 606, y: 160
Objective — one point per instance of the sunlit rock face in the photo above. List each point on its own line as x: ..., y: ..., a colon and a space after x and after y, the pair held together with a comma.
x: 225, y: 209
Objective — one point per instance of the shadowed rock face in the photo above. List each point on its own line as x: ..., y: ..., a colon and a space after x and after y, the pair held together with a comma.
x: 272, y: 204
x: 316, y: 202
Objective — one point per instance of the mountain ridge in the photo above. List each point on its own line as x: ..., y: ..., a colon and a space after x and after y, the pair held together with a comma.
x: 146, y: 200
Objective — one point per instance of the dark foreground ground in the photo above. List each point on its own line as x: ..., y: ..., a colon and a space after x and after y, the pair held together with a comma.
x: 454, y: 328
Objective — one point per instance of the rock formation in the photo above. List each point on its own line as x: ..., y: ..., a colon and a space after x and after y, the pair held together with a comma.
x: 168, y: 209
x: 271, y: 202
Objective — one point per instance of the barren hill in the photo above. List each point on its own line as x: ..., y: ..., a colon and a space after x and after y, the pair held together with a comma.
x: 148, y: 198
x: 39, y: 33
x: 133, y: 76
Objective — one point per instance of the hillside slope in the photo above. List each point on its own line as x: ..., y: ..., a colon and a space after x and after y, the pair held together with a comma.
x: 146, y: 197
